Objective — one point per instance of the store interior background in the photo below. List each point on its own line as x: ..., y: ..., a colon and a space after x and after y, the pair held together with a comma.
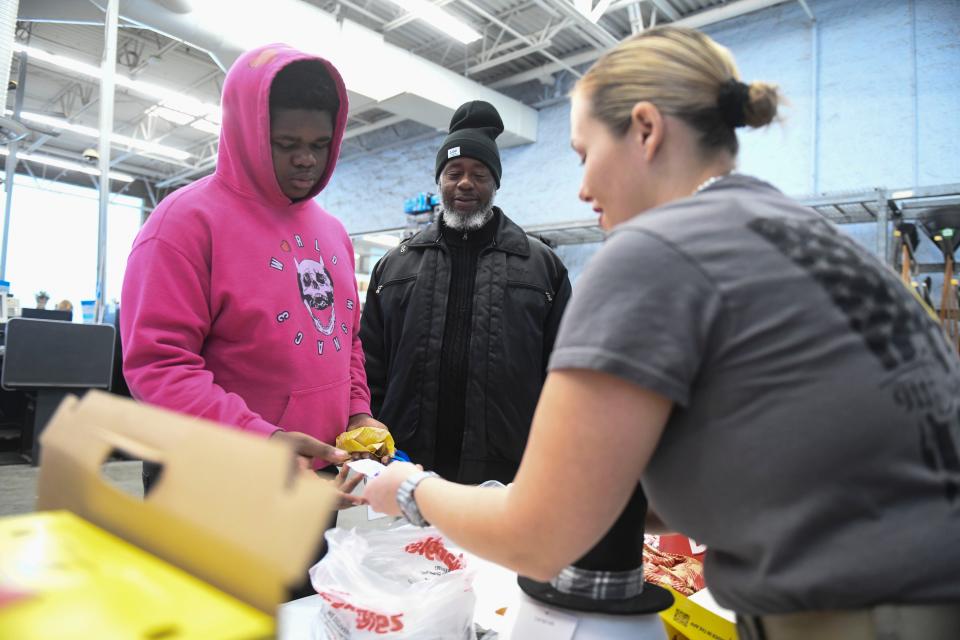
x: 873, y: 92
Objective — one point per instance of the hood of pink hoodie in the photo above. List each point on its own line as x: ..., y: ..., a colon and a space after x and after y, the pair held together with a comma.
x: 245, y: 159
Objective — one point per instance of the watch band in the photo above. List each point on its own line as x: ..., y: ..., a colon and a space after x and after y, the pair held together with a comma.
x: 406, y: 501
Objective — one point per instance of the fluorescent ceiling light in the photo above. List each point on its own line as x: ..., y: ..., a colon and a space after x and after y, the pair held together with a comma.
x: 166, y: 97
x: 206, y: 126
x: 51, y: 161
x: 90, y: 132
x: 209, y: 124
x: 439, y: 19
x: 176, y: 100
x: 84, y: 69
x: 170, y: 115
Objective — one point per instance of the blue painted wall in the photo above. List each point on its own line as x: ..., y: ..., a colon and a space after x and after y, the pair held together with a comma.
x: 874, y: 101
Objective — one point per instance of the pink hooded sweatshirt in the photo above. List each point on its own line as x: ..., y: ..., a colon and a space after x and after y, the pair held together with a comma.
x: 239, y: 305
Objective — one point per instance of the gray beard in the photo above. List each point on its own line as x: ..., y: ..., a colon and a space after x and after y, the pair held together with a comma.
x: 467, y: 221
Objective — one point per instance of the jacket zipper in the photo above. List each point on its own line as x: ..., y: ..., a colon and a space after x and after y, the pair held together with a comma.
x: 397, y: 281
x: 547, y: 294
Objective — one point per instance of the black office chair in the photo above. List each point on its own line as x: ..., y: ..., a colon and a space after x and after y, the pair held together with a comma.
x: 49, y: 359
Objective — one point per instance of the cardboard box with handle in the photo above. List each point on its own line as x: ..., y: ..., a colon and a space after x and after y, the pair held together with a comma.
x: 231, y: 509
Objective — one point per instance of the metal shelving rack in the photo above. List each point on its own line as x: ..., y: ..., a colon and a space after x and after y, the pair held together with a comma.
x: 882, y: 206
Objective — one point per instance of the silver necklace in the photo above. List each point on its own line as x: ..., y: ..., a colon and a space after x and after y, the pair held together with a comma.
x: 709, y: 181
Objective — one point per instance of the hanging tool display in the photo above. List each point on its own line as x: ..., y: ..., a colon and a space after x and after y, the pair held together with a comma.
x: 907, y: 239
x: 943, y: 226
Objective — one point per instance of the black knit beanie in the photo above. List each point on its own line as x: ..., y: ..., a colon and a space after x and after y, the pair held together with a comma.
x: 473, y: 132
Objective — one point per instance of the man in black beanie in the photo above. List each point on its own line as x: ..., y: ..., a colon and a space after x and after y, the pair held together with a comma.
x: 460, y: 319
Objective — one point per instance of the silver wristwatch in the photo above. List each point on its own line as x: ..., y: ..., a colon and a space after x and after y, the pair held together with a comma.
x: 407, y: 503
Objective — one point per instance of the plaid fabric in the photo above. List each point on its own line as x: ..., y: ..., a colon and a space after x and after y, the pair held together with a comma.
x: 599, y: 585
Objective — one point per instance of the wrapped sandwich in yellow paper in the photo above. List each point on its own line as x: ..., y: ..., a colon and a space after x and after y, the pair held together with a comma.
x: 371, y: 440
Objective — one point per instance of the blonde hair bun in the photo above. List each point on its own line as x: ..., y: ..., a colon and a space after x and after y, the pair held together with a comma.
x: 685, y: 74
x: 761, y: 108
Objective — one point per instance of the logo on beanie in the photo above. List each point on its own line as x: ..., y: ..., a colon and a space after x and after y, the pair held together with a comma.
x: 453, y: 152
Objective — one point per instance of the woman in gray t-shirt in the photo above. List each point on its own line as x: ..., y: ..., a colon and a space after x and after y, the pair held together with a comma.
x: 784, y: 398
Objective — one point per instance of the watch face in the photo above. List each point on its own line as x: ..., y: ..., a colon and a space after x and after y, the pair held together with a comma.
x: 410, y: 512
x: 407, y: 502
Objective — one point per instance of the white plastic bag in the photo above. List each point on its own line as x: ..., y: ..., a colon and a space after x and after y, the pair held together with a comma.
x: 400, y: 583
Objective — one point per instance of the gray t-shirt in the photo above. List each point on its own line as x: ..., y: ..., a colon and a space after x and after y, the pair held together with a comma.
x: 812, y: 445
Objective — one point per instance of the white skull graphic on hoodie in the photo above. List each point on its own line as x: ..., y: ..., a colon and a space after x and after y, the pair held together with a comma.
x: 316, y: 290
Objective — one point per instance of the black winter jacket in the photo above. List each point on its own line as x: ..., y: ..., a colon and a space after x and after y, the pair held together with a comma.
x: 521, y: 290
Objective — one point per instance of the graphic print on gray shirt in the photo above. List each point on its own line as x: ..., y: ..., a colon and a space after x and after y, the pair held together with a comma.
x: 888, y: 321
x: 813, y: 442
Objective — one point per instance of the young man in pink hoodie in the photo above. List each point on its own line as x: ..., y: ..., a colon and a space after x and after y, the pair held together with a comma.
x: 240, y: 303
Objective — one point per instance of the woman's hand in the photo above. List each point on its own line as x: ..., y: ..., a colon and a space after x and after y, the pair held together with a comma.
x: 381, y: 492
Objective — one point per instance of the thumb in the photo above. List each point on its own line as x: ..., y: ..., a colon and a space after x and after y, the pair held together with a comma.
x: 326, y: 452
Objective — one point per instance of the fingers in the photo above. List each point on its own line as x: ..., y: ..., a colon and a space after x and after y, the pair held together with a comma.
x: 326, y: 452
x: 345, y: 501
x: 304, y: 463
x: 343, y: 477
x: 347, y: 486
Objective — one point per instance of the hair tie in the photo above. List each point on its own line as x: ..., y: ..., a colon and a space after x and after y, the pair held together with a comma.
x: 732, y: 102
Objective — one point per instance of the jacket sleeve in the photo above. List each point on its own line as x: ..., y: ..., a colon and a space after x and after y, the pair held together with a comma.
x: 359, y: 391
x: 374, y: 349
x: 165, y: 319
x: 562, y: 292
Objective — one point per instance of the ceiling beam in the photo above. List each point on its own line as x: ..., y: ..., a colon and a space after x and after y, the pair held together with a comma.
x: 503, y: 25
x: 697, y: 20
x: 666, y: 9
x: 408, y: 17
x: 364, y: 12
x: 546, y: 34
x: 353, y: 132
x: 594, y: 31
x: 507, y: 57
x: 204, y: 165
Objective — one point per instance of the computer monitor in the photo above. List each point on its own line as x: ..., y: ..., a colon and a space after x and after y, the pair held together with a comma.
x: 41, y: 353
x: 47, y: 314
x: 47, y: 358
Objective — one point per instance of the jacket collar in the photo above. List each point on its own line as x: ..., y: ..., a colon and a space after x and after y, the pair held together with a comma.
x: 509, y: 237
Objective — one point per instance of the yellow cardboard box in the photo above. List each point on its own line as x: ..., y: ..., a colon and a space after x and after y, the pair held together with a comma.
x: 82, y: 582
x: 686, y: 620
x: 229, y: 525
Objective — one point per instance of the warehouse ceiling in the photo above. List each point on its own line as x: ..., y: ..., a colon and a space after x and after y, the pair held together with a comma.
x: 526, y: 54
